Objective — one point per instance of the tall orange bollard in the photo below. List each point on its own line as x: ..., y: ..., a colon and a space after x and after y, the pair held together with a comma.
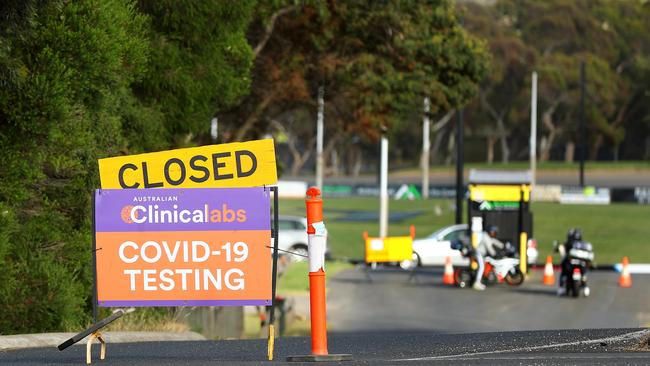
x: 549, y: 275
x: 317, y: 300
x: 625, y: 280
x: 317, y: 241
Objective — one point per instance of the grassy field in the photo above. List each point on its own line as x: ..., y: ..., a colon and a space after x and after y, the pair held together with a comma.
x: 615, y: 231
x: 295, y: 279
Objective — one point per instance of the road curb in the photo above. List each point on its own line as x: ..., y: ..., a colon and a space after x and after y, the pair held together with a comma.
x: 20, y: 341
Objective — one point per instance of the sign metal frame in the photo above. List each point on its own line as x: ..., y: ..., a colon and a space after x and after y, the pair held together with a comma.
x: 274, y: 236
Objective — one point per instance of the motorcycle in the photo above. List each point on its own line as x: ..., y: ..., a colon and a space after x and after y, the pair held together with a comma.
x: 504, y: 267
x: 578, y: 260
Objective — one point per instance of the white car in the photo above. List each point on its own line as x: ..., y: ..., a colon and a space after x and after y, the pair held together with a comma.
x: 292, y: 231
x: 435, y: 248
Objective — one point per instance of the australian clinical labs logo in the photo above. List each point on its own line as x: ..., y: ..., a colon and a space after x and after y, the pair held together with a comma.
x: 146, y: 210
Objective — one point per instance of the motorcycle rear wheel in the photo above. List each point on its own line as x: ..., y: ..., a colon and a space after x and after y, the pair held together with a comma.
x: 463, y: 278
x: 515, y: 279
x: 572, y: 289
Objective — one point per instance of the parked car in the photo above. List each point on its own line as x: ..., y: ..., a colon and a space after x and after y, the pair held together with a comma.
x: 435, y: 248
x: 293, y: 237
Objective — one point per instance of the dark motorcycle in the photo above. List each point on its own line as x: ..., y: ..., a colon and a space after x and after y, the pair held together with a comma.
x: 577, y: 261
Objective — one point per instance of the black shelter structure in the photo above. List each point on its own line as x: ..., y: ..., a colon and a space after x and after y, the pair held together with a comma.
x: 502, y: 199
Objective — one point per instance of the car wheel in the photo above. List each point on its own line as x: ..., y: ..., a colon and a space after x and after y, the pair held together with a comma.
x: 410, y: 263
x: 299, y: 252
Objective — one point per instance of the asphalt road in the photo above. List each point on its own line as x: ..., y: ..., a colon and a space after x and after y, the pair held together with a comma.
x: 422, y: 303
x: 587, y: 347
x: 418, y: 321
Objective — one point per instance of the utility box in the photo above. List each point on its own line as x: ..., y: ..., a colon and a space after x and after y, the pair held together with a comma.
x: 502, y: 199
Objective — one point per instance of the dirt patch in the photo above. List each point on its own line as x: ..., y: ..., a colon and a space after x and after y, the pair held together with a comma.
x: 643, y: 345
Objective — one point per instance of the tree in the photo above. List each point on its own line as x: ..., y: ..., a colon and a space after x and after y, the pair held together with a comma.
x: 565, y: 33
x: 66, y: 70
x: 375, y: 60
x: 560, y: 95
x: 629, y: 21
x: 500, y: 96
x: 200, y: 63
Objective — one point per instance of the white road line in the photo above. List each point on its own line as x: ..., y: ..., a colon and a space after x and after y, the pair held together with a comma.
x: 621, y: 337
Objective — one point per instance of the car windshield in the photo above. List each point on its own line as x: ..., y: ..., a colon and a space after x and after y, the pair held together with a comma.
x: 449, y: 233
x: 455, y: 235
x: 436, y: 234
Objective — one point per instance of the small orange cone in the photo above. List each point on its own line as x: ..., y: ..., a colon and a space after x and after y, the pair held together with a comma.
x: 448, y: 277
x: 549, y: 276
x: 625, y: 280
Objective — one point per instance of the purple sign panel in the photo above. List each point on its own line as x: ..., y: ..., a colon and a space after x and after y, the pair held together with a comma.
x: 195, y: 209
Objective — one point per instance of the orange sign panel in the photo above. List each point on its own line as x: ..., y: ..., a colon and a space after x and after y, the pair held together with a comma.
x: 183, y: 247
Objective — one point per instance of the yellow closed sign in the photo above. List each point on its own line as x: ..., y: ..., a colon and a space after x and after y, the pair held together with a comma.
x: 238, y: 164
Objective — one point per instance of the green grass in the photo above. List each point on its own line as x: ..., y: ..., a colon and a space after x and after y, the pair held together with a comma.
x: 615, y: 231
x: 296, y: 279
x: 296, y: 326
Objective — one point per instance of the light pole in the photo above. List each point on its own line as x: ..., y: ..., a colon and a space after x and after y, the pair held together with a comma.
x: 383, y: 185
x: 319, y: 138
x: 583, y: 137
x: 214, y: 125
x: 425, y: 149
x: 460, y: 186
x: 533, y: 127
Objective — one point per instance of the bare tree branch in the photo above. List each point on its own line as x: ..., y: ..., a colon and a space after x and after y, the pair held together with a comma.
x: 253, y: 117
x: 443, y: 121
x: 498, y: 117
x: 299, y: 159
x: 269, y: 29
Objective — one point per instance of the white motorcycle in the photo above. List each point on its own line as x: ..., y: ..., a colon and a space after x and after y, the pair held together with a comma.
x: 506, y: 268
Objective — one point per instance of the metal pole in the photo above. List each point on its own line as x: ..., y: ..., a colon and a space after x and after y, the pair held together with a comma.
x: 521, y: 237
x: 583, y: 137
x: 274, y: 274
x: 533, y: 128
x: 383, y: 188
x: 94, y: 268
x: 460, y: 186
x: 425, y: 149
x: 319, y: 138
x: 274, y: 269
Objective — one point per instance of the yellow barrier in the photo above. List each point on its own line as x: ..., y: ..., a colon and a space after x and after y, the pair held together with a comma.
x: 389, y: 249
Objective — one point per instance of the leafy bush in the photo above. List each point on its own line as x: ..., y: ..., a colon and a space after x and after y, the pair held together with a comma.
x: 81, y: 80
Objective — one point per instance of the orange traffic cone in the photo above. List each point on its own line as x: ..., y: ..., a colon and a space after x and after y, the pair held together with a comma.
x: 625, y: 280
x: 549, y: 276
x: 448, y: 277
